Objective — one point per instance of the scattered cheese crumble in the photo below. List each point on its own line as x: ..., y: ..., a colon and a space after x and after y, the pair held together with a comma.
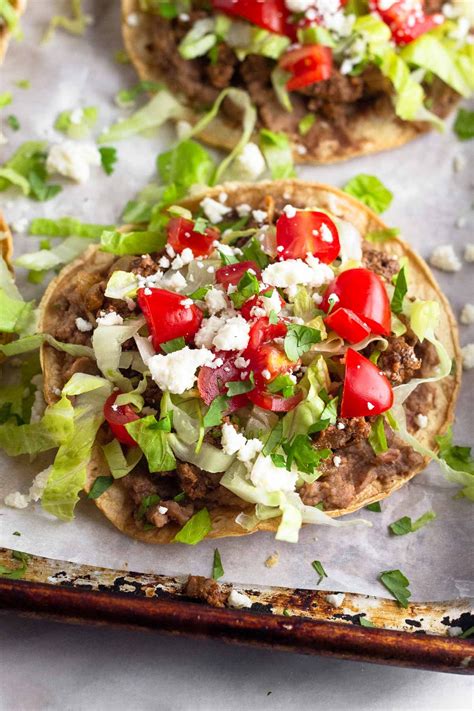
x: 238, y: 600
x: 467, y: 353
x: 467, y: 314
x: 73, y: 160
x: 444, y: 257
x: 176, y: 372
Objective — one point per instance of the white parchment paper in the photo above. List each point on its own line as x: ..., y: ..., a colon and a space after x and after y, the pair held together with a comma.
x: 430, y: 197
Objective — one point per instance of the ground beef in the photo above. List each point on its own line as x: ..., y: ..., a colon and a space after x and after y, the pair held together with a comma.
x: 359, y: 467
x: 379, y: 262
x: 221, y: 71
x: 399, y: 362
x: 340, y: 89
x: 144, y: 266
x: 207, y: 590
x: 177, y: 512
x: 422, y: 401
x: 79, y: 365
x: 355, y: 429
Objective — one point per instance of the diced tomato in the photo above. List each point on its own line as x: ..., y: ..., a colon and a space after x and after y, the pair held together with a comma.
x: 363, y: 292
x: 366, y: 391
x: 233, y: 273
x: 167, y: 317
x: 117, y: 416
x: 211, y: 381
x: 270, y: 14
x: 263, y: 331
x: 181, y: 234
x: 347, y: 325
x: 270, y: 360
x: 274, y: 402
x: 308, y: 231
x: 308, y: 65
x: 246, y: 309
x: 406, y: 18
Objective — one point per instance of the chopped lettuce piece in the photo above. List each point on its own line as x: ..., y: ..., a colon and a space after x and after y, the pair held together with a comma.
x: 107, y: 344
x: 122, y: 285
x: 46, y: 259
x: 154, y: 442
x: 77, y: 123
x: 9, y: 15
x: 127, y: 97
x: 75, y: 25
x: 122, y: 243
x: 108, y: 158
x: 200, y: 38
x: 464, y: 124
x: 279, y: 80
x: 32, y: 343
x: 276, y: 148
x: 162, y: 107
x: 120, y: 464
x: 370, y: 191
x: 23, y: 161
x: 195, y: 529
x: 67, y: 227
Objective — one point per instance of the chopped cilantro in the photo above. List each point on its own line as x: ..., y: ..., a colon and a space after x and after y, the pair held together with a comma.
x: 146, y: 503
x: 464, y: 124
x: 200, y: 293
x: 377, y: 437
x: 176, y: 344
x: 370, y: 191
x: 397, y: 584
x: 287, y: 613
x: 252, y: 251
x: 467, y: 633
x: 299, y: 339
x: 108, y: 158
x: 239, y: 387
x: 6, y: 98
x: 23, y: 84
x: 127, y: 97
x: 39, y: 187
x: 401, y: 288
x: 179, y: 497
x: 18, y: 572
x: 375, y: 507
x: 247, y: 287
x: 217, y: 569
x: 195, y: 529
x: 16, y: 533
x: 216, y: 409
x: 405, y: 525
x: 364, y: 622
x: 318, y: 567
x: 306, y: 124
x: 282, y: 384
x: 301, y: 451
x: 274, y: 438
x: 101, y: 484
x: 13, y: 122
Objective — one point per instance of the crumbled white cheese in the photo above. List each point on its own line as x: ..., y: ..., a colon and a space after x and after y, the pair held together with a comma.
x: 110, y: 319
x: 271, y: 303
x: 337, y: 461
x: 183, y: 129
x: 215, y: 211
x: 461, y: 222
x: 469, y: 253
x: 294, y: 271
x: 73, y: 160
x: 76, y: 116
x: 215, y: 300
x: 467, y: 353
x: 421, y: 421
x: 243, y: 210
x: 233, y: 336
x: 266, y: 475
x: 176, y: 372
x: 183, y: 259
x: 467, y: 314
x: 16, y: 500
x: 20, y: 225
x: 234, y: 442
x: 133, y: 19
x: 174, y: 281
x: 208, y: 330
x: 241, y: 363
x: 259, y: 216
x: 444, y: 257
x: 238, y: 600
x: 83, y: 325
x: 250, y: 162
x: 459, y: 163
x: 455, y: 631
x: 336, y: 599
x: 39, y: 403
x: 290, y: 211
x: 299, y: 5
x: 164, y: 262
x: 162, y: 510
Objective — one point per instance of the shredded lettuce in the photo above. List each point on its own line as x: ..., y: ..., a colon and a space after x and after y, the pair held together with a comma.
x: 75, y: 25
x: 199, y: 40
x: 16, y: 315
x: 122, y: 243
x: 69, y: 471
x: 276, y: 148
x: 127, y: 97
x: 154, y: 442
x: 32, y: 343
x: 209, y: 458
x: 9, y: 14
x: 16, y: 170
x: 66, y: 227
x: 107, y: 344
x: 77, y: 123
x: 122, y: 285
x: 279, y: 80
x: 257, y: 41
x: 46, y: 259
x: 162, y: 107
x: 120, y: 464
x: 310, y: 409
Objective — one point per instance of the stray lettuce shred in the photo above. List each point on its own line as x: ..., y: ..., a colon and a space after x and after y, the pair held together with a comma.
x: 75, y: 25
x: 67, y: 227
x: 278, y: 154
x: 77, y: 123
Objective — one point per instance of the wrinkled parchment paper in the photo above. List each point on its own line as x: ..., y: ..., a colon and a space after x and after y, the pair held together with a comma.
x: 430, y: 197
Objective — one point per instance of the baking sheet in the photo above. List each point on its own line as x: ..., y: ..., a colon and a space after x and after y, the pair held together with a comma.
x: 430, y: 197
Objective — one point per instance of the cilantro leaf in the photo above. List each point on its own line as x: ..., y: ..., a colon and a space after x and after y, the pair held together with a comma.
x: 401, y: 288
x: 252, y: 251
x: 108, y: 158
x: 176, y: 344
x: 217, y: 407
x: 375, y: 507
x: 364, y: 622
x: 370, y: 191
x: 274, y: 438
x: 397, y: 584
x: 13, y: 122
x: 146, y: 503
x: 455, y: 456
x: 301, y: 451
x: 6, y: 98
x: 195, y: 529
x: 304, y: 126
x: 200, y: 293
x: 239, y: 387
x: 318, y: 567
x: 282, y: 384
x: 39, y: 188
x: 464, y: 124
x: 18, y: 572
x: 101, y: 484
x: 278, y: 154
x: 377, y: 437
x: 217, y: 569
x: 299, y: 339
x: 247, y: 287
x: 405, y: 525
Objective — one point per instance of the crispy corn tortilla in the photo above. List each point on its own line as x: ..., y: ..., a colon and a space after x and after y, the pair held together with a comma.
x: 5, y: 34
x: 115, y: 502
x: 372, y: 130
